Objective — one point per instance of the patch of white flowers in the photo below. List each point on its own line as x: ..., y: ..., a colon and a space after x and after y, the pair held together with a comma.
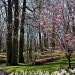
x: 39, y: 72
x: 64, y: 72
x: 30, y: 72
x: 61, y: 72
x: 72, y: 70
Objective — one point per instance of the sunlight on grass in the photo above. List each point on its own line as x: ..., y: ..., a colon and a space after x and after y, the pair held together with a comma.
x: 50, y: 66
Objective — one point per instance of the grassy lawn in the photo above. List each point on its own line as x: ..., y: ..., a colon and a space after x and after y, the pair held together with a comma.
x: 2, y: 60
x: 3, y: 53
x: 50, y: 66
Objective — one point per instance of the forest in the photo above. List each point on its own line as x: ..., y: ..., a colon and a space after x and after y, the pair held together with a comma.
x: 37, y: 37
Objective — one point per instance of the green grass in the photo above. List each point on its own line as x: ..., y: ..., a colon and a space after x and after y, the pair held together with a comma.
x: 47, y: 66
x: 2, y: 60
x: 50, y: 66
x: 3, y: 53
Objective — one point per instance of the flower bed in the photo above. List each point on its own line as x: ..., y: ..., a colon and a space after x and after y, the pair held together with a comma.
x: 40, y: 72
x: 2, y: 56
x: 43, y: 60
x: 64, y: 72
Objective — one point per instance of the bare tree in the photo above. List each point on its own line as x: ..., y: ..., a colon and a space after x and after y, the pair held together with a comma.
x: 21, y: 44
x: 9, y: 34
x: 15, y: 35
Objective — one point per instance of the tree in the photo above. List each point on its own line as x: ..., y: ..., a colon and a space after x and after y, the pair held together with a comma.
x: 15, y: 35
x: 9, y: 34
x: 40, y: 42
x: 0, y: 34
x: 21, y: 44
x: 45, y: 40
x: 67, y: 39
x: 55, y: 18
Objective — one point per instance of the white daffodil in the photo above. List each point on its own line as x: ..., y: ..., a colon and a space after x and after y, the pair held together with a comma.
x: 67, y: 73
x: 72, y: 71
x: 55, y: 73
x: 63, y: 72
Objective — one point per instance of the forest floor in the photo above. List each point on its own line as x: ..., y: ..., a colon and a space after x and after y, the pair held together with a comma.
x: 49, y: 66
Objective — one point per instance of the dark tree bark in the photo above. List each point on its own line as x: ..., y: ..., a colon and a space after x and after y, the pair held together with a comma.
x: 45, y: 40
x: 35, y: 45
x: 69, y: 57
x: 27, y: 40
x: 0, y: 34
x: 40, y: 42
x: 30, y: 50
x: 15, y: 36
x: 69, y: 60
x: 9, y: 34
x: 0, y: 41
x: 21, y: 44
x: 28, y: 47
x: 53, y: 38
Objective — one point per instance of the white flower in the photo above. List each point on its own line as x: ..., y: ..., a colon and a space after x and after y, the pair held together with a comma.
x: 73, y: 71
x: 55, y: 73
x: 63, y: 71
x: 67, y: 73
x: 46, y: 73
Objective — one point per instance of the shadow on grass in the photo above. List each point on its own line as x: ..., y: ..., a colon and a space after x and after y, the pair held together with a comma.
x: 2, y: 60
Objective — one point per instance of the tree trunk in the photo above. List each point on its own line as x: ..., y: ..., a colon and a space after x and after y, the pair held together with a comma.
x: 53, y: 38
x: 40, y: 43
x: 45, y: 40
x: 69, y: 60
x: 0, y: 34
x: 9, y: 34
x: 15, y: 36
x: 0, y: 41
x: 21, y: 45
x: 27, y: 47
x: 30, y: 50
x: 35, y: 45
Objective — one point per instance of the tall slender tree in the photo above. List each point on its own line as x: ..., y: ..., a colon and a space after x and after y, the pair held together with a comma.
x: 40, y: 41
x: 0, y: 34
x: 15, y: 35
x: 21, y: 44
x: 9, y: 34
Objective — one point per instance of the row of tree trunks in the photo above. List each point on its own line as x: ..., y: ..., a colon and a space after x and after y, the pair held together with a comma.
x: 12, y: 42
